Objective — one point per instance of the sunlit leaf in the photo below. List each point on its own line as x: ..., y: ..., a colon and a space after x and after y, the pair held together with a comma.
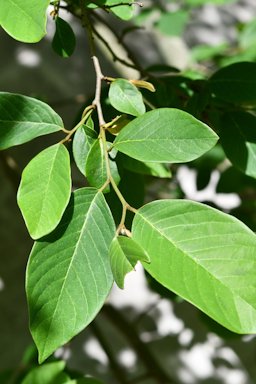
x: 24, y: 20
x: 45, y: 190
x: 126, y: 98
x: 68, y: 275
x: 205, y: 256
x: 165, y: 135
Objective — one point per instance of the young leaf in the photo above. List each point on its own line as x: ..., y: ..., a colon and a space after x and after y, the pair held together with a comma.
x: 96, y: 171
x: 23, y: 118
x: 238, y: 138
x: 235, y: 83
x: 45, y: 190
x: 165, y: 135
x: 51, y: 373
x: 83, y: 140
x: 68, y: 274
x: 24, y: 21
x: 205, y: 256
x: 145, y: 168
x: 125, y: 97
x: 64, y: 40
x: 124, y: 253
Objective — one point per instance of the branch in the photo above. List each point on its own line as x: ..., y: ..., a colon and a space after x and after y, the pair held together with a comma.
x: 154, y: 368
x: 117, y: 370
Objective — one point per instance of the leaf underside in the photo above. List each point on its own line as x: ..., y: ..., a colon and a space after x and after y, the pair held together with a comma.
x: 205, y: 256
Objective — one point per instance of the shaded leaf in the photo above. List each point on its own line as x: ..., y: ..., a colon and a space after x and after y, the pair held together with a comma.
x: 68, y: 274
x: 45, y: 190
x: 205, y: 256
x: 124, y: 254
x: 235, y: 83
x: 96, y: 171
x: 145, y: 168
x: 165, y: 135
x: 24, y: 21
x: 64, y: 40
x: 238, y: 138
x: 83, y: 140
x: 23, y: 118
x: 125, y: 97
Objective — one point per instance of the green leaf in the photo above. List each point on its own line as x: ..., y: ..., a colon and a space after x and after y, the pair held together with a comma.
x: 173, y: 23
x: 205, y: 256
x: 124, y: 12
x: 83, y: 140
x: 238, y: 138
x: 96, y: 171
x: 45, y: 190
x: 145, y: 168
x: 50, y: 373
x: 124, y: 253
x: 165, y: 135
x: 247, y: 37
x: 23, y: 118
x: 64, y: 40
x: 24, y: 20
x: 235, y: 83
x: 68, y: 274
x: 125, y: 97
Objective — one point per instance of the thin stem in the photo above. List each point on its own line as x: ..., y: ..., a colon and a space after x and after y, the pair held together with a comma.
x: 96, y: 101
x: 114, y: 56
x: 86, y: 114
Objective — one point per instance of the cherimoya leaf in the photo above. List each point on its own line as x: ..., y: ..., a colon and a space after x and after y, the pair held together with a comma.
x: 24, y: 118
x: 68, y: 275
x: 165, y: 135
x: 45, y: 190
x: 205, y: 256
x: 24, y: 20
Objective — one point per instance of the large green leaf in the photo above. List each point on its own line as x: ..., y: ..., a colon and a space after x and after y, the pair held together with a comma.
x: 125, y: 97
x: 238, y: 138
x: 64, y: 40
x: 45, y: 190
x: 68, y: 275
x: 51, y: 373
x: 24, y: 20
x: 124, y: 253
x: 235, y: 83
x: 165, y: 135
x: 205, y: 256
x: 23, y: 118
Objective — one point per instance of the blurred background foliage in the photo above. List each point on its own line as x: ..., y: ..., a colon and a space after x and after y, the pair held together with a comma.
x: 144, y: 334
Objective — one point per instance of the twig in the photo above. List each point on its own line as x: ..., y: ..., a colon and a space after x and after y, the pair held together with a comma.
x: 114, y: 55
x: 96, y: 101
